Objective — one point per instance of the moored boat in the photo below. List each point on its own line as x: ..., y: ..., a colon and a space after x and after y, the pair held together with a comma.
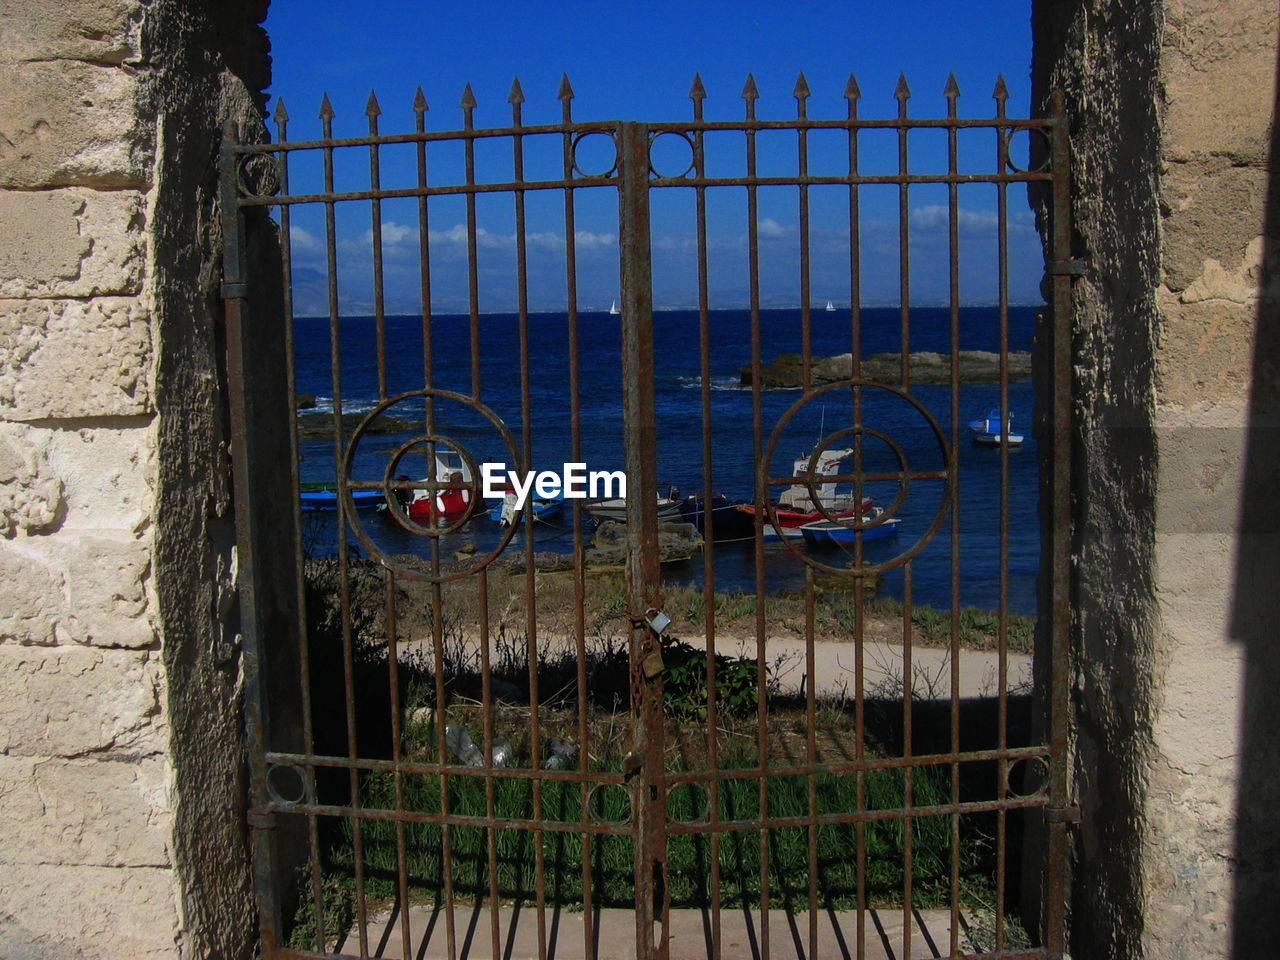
x: 796, y: 506
x: 506, y: 513
x: 989, y: 432
x: 616, y: 508
x: 446, y: 504
x: 322, y: 497
x: 727, y: 521
x: 825, y: 533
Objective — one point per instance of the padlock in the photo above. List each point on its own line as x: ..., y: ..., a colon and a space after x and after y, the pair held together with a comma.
x: 657, y: 620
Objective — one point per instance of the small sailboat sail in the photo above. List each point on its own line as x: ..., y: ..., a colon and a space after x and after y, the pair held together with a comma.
x: 831, y: 307
x: 614, y: 308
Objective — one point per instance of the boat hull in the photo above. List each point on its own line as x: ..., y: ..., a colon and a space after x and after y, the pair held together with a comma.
x: 827, y: 534
x: 790, y: 521
x: 727, y: 521
x: 993, y: 439
x: 328, y: 499
x: 542, y: 510
x: 447, y: 505
x: 603, y: 511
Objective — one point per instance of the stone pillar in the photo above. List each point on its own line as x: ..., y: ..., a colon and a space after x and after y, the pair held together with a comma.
x: 1213, y: 812
x: 1172, y: 105
x: 121, y: 769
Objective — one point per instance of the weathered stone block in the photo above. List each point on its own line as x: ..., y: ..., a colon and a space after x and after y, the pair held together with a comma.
x: 102, y: 345
x: 77, y: 913
x: 97, y: 31
x: 65, y: 123
x: 76, y: 589
x: 1218, y: 55
x: 70, y: 701
x: 1206, y: 349
x: 106, y: 474
x: 30, y: 490
x: 71, y: 243
x: 107, y: 813
x: 1194, y: 232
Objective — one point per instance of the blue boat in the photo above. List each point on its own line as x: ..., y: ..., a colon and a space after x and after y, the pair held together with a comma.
x: 987, y: 431
x: 826, y: 533
x: 326, y: 498
x: 544, y: 508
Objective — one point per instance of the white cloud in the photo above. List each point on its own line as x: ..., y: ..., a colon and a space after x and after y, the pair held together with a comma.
x: 303, y: 239
x: 586, y: 240
x: 393, y: 234
x: 771, y: 229
x: 937, y: 217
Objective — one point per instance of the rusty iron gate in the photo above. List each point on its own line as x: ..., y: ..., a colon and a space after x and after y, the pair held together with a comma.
x: 404, y: 801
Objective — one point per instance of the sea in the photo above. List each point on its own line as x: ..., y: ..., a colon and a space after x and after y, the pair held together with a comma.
x: 904, y: 434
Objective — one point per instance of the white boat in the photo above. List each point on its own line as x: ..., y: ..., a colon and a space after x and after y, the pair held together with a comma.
x: 831, y: 307
x: 614, y: 308
x: 616, y: 508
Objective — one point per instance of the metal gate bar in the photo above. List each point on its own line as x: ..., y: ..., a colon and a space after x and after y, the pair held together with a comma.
x: 275, y: 758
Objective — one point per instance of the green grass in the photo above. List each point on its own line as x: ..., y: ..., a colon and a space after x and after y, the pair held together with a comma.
x: 688, y: 855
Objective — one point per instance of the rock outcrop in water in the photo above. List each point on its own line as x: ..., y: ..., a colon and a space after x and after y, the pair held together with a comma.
x: 319, y: 424
x: 976, y: 366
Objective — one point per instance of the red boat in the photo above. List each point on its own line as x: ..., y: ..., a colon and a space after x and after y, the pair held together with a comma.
x: 791, y: 520
x: 796, y: 506
x: 446, y: 506
x: 448, y: 503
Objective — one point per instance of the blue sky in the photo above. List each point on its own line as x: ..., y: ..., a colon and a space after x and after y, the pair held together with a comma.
x: 636, y: 61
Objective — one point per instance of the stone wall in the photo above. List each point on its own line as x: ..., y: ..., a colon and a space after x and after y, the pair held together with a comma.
x: 120, y: 767
x: 1174, y: 176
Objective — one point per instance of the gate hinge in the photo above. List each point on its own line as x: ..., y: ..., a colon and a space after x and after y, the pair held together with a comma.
x: 262, y: 820
x: 235, y: 290
x: 1065, y: 268
x: 1062, y: 814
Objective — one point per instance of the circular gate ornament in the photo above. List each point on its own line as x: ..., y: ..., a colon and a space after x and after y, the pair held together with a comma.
x: 391, y: 486
x: 904, y: 475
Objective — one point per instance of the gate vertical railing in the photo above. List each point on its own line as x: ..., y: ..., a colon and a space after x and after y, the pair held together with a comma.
x: 644, y: 578
x: 332, y: 785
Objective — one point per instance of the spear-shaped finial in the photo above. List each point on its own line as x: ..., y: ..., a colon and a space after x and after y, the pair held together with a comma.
x: 371, y: 108
x: 326, y: 108
x: 697, y: 91
x: 952, y: 89
x: 566, y: 91
x: 419, y: 102
x: 1001, y: 91
x: 851, y: 91
x: 468, y: 99
x: 801, y: 92
x: 281, y: 115
x: 516, y: 95
x: 902, y: 91
x: 749, y: 91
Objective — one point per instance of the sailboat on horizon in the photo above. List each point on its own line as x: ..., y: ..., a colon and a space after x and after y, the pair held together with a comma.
x: 831, y: 307
x: 614, y: 308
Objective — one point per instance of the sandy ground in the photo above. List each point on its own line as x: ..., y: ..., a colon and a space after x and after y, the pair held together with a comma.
x: 834, y: 666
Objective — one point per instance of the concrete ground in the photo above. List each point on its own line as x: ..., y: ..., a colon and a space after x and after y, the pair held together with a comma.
x: 740, y: 937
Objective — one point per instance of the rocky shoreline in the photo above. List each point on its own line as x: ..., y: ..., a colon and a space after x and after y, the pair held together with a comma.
x: 976, y: 366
